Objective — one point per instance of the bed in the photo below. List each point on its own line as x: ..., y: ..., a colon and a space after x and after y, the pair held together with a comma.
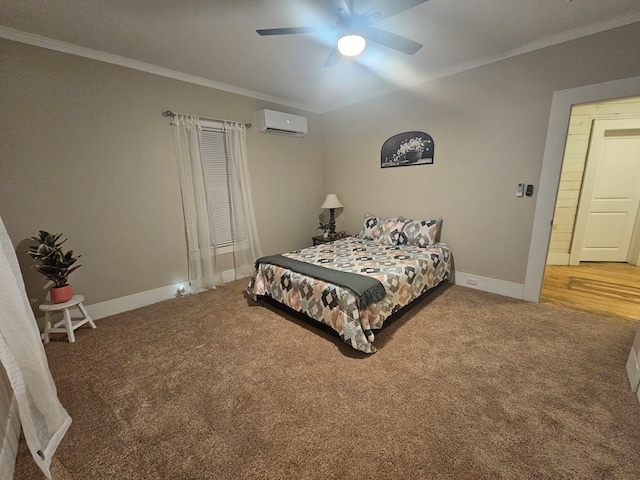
x: 400, y: 255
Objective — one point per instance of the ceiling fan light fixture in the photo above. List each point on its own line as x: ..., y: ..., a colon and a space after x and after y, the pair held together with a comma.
x: 351, y: 45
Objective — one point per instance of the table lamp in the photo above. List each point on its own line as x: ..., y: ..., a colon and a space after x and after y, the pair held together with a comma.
x: 331, y: 203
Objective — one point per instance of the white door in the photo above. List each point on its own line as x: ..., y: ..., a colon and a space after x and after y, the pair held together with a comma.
x: 610, y: 194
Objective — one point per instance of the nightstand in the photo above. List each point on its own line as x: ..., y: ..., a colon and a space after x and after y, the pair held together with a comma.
x: 319, y: 239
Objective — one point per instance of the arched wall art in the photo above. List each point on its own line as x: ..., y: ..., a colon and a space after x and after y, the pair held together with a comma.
x: 405, y: 149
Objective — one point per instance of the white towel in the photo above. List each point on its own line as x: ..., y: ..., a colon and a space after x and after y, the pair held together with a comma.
x: 43, y: 418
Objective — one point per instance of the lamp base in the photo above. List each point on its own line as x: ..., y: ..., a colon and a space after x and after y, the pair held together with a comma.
x: 332, y: 222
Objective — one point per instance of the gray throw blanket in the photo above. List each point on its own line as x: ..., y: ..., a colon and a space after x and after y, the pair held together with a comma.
x: 368, y: 290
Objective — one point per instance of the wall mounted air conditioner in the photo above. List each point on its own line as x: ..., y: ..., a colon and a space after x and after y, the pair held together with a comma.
x: 270, y: 121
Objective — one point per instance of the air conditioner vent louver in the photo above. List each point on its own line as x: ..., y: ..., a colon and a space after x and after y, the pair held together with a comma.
x: 279, y: 130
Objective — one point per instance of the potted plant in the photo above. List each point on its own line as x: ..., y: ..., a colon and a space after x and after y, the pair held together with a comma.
x: 55, y: 264
x: 325, y: 227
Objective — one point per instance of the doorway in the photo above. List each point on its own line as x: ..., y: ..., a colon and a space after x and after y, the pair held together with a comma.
x: 557, y: 129
x: 595, y: 240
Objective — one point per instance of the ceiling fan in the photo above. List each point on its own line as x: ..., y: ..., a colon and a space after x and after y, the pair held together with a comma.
x: 353, y: 27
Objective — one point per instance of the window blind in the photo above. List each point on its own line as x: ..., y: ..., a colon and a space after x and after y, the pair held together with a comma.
x: 213, y: 154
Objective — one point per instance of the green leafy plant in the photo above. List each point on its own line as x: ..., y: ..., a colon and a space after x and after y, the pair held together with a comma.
x: 55, y: 264
x: 324, y: 226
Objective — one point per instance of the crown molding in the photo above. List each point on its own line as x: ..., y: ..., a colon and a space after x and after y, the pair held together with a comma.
x: 64, y: 47
x: 44, y: 42
x: 563, y: 37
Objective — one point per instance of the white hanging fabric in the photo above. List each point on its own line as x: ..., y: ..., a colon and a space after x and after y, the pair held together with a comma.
x: 201, y: 254
x: 43, y: 418
x: 246, y: 246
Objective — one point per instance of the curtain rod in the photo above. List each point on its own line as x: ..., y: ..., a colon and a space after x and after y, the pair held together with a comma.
x: 169, y: 113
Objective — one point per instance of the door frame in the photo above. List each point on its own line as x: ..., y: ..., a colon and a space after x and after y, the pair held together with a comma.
x: 557, y: 131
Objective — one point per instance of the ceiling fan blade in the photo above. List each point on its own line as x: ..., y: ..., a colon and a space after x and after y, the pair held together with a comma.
x: 333, y: 58
x: 392, y: 40
x: 390, y: 8
x: 290, y: 30
x: 344, y: 8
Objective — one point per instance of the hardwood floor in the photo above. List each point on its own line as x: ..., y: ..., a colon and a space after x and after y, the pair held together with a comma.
x: 612, y: 288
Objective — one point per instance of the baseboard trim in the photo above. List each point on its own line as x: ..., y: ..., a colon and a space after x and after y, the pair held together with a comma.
x: 488, y: 284
x: 141, y: 299
x: 131, y: 302
x: 228, y: 276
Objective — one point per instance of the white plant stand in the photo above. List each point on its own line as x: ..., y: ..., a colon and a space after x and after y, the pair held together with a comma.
x: 69, y: 324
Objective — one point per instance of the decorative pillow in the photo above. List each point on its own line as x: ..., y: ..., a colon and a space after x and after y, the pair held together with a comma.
x: 420, y: 233
x: 388, y: 231
x: 369, y: 227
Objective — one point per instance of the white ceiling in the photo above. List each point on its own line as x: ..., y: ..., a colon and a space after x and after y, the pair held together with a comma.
x: 214, y: 42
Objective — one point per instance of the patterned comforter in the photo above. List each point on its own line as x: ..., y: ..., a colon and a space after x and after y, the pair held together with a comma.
x: 405, y: 271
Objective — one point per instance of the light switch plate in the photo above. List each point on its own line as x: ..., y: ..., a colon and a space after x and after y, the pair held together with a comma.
x: 520, y: 190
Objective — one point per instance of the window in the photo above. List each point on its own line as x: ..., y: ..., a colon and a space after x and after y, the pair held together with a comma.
x: 213, y: 154
x: 216, y: 196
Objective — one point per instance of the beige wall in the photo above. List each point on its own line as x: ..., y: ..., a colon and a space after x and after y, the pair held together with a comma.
x: 574, y: 161
x: 85, y: 151
x: 489, y: 126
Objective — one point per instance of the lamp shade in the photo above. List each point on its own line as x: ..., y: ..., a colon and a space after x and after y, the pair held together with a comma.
x: 331, y: 201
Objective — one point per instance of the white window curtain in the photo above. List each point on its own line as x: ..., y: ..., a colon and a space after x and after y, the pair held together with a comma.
x: 246, y: 249
x: 203, y: 274
x: 43, y: 418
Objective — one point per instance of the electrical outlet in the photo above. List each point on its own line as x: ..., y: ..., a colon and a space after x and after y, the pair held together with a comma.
x: 472, y: 281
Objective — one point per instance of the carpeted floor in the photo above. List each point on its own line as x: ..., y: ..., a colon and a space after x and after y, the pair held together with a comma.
x: 467, y: 385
